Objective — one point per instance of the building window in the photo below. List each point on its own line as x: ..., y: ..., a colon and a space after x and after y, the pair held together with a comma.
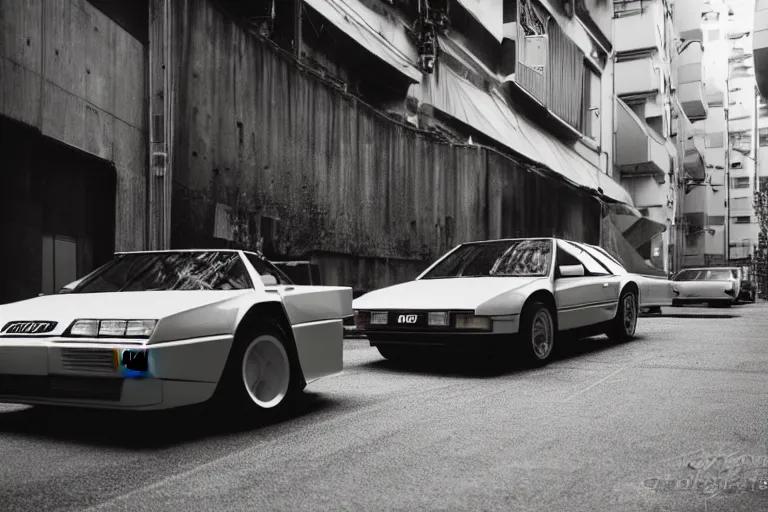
x: 742, y: 220
x: 741, y: 203
x: 591, y: 115
x: 740, y: 182
x: 715, y: 140
x: 716, y: 220
x: 763, y: 136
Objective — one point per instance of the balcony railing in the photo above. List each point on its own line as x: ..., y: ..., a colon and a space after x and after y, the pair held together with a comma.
x: 638, y: 31
x: 688, y: 19
x: 639, y: 151
x: 636, y: 77
x: 691, y: 90
x: 549, y: 66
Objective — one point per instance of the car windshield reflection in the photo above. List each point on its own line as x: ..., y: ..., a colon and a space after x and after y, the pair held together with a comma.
x: 504, y: 258
x: 168, y: 271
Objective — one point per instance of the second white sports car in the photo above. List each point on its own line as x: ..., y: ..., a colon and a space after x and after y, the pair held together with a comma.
x: 492, y: 292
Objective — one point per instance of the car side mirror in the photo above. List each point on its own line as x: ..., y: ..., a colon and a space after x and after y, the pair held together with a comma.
x: 571, y: 270
x: 269, y: 280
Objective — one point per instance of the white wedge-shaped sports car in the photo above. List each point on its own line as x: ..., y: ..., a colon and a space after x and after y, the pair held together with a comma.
x: 500, y: 292
x: 155, y: 330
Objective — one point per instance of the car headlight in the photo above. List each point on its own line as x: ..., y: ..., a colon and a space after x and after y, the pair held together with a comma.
x: 111, y: 328
x: 468, y: 321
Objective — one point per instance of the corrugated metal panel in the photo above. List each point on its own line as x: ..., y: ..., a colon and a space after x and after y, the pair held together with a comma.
x: 566, y: 77
x: 341, y: 177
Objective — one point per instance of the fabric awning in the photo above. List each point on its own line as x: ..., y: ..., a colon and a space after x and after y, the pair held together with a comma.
x: 382, y: 36
x: 489, y: 13
x: 488, y: 113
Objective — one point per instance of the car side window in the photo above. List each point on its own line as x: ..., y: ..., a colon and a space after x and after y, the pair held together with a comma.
x: 266, y: 269
x: 564, y: 258
x: 592, y: 266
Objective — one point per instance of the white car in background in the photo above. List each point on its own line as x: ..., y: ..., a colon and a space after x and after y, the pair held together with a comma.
x: 712, y: 286
x: 156, y: 330
x: 498, y: 293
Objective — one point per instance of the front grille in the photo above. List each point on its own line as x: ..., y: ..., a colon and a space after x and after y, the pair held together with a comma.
x: 410, y: 320
x: 78, y: 388
x: 88, y: 359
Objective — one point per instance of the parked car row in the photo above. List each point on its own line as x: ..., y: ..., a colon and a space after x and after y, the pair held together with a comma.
x: 162, y: 329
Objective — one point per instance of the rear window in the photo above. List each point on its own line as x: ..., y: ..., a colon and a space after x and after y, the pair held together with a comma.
x: 707, y: 275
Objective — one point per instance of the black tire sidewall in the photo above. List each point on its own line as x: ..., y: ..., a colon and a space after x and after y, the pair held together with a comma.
x: 526, y: 330
x: 231, y: 392
x: 619, y: 331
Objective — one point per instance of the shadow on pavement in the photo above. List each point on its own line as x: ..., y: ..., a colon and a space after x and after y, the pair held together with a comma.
x: 145, y: 430
x: 479, y: 365
x: 694, y: 315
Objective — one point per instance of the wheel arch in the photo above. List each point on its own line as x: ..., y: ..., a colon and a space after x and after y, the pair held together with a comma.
x: 544, y: 296
x: 633, y: 286
x: 269, y: 310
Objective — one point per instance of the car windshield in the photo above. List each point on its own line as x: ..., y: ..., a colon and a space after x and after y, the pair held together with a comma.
x: 706, y: 275
x: 139, y: 272
x: 504, y: 258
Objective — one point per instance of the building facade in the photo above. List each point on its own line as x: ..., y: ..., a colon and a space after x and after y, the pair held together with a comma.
x: 659, y: 89
x: 367, y: 135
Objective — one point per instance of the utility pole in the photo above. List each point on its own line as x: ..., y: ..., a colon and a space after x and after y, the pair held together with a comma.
x: 727, y: 226
x: 298, y: 8
x: 160, y: 125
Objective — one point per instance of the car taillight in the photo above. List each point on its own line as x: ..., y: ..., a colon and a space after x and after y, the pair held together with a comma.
x: 362, y: 320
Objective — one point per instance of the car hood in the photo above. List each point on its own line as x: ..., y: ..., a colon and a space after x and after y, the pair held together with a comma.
x: 466, y: 293
x: 65, y: 308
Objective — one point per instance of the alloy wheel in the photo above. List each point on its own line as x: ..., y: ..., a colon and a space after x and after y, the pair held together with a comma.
x: 266, y: 371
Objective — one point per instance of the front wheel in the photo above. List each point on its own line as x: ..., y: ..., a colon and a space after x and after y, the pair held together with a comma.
x: 260, y: 375
x: 624, y: 324
x: 539, y: 331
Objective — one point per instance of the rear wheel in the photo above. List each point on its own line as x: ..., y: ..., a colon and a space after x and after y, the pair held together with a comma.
x: 261, y: 374
x: 539, y: 331
x: 624, y: 324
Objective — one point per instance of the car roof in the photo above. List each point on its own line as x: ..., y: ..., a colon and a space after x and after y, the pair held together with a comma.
x: 711, y: 268
x: 510, y: 240
x: 176, y: 250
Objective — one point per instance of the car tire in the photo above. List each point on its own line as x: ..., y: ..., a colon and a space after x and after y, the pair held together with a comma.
x: 394, y: 354
x: 624, y: 324
x: 262, y: 374
x: 538, y: 327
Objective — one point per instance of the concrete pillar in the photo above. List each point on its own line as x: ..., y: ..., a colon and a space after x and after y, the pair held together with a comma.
x: 160, y: 125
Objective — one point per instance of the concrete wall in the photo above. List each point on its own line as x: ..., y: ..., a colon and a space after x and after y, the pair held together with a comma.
x: 259, y: 135
x: 73, y: 74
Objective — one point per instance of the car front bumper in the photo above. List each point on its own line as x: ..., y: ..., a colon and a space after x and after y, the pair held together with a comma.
x: 89, y: 373
x: 454, y: 340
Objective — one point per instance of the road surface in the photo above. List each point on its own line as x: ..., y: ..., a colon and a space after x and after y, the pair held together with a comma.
x: 674, y: 420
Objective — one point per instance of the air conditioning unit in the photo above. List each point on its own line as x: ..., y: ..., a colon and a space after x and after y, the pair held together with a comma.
x: 533, y: 52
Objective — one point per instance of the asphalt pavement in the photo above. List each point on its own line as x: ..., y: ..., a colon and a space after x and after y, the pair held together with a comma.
x: 676, y: 419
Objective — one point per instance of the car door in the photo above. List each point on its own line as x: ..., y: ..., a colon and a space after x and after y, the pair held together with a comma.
x: 583, y: 300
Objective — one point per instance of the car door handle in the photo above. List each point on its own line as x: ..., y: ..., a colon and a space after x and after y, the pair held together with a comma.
x: 606, y: 285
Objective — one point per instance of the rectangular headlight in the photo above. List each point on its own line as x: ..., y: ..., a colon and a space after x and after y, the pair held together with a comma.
x: 465, y: 321
x: 379, y: 317
x: 88, y: 328
x: 113, y: 328
x: 140, y: 328
x: 438, y: 318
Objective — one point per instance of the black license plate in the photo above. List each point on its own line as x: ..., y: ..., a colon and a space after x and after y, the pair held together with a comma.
x: 405, y: 319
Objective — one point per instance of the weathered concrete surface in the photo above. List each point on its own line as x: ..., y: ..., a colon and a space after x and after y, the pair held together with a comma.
x: 72, y: 73
x: 600, y: 429
x: 258, y: 134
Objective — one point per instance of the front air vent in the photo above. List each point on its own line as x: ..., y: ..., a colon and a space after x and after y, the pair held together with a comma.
x: 88, y: 360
